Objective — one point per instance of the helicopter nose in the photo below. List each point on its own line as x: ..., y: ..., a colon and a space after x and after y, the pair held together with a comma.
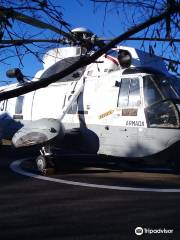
x: 22, y: 139
x: 38, y: 132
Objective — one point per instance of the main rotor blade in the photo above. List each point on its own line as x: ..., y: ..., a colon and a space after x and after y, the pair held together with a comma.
x: 32, y: 21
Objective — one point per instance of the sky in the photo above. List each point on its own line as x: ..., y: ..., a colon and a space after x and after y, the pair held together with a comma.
x: 78, y: 13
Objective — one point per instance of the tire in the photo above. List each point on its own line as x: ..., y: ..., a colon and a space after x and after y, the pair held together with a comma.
x: 45, y: 165
x: 41, y: 163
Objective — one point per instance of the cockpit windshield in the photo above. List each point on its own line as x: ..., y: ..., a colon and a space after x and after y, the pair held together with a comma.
x: 158, y: 88
x: 175, y: 82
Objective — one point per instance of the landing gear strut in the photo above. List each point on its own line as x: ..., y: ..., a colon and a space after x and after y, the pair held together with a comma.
x: 44, y: 162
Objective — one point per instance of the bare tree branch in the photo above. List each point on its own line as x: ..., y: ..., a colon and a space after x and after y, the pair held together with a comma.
x: 32, y: 21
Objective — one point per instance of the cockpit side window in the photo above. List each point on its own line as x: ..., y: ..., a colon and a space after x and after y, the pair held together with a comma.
x: 162, y: 115
x: 134, y: 93
x: 124, y: 92
x: 151, y: 92
x: 129, y: 93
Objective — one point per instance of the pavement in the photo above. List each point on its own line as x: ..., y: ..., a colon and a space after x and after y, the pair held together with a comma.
x: 36, y: 209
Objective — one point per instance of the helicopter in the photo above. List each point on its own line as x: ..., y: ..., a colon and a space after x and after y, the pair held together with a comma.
x: 126, y: 104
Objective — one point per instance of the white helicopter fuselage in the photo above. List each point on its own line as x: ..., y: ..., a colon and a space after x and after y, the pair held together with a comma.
x: 107, y: 106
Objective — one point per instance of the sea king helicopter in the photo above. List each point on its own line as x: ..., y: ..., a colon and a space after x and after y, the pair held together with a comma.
x: 126, y: 104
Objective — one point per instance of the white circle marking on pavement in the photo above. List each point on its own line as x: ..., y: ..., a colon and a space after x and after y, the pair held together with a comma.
x: 15, y: 167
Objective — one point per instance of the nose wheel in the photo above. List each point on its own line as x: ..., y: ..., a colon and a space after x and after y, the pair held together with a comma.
x: 44, y: 162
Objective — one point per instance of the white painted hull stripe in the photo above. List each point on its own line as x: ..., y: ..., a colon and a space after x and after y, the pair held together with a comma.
x: 15, y: 167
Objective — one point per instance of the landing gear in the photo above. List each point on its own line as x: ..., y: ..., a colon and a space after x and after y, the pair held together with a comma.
x: 44, y: 162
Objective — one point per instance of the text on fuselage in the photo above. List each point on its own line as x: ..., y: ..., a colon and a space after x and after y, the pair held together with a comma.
x: 135, y: 123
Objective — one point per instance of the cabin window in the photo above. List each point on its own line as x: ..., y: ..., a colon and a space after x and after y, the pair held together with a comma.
x: 152, y: 93
x: 19, y: 105
x: 162, y: 115
x: 77, y: 105
x: 73, y: 108
x: 129, y: 93
x: 3, y: 105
